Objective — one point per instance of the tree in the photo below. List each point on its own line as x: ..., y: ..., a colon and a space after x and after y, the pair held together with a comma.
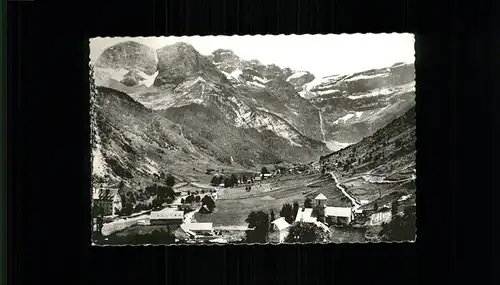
x: 197, y: 199
x: 182, y: 201
x: 394, y: 208
x: 209, y: 202
x: 234, y: 179
x: 401, y: 228
x: 127, y: 209
x: 295, y: 209
x: 189, y: 199
x: 306, y: 232
x: 152, y: 190
x: 215, y: 180
x: 166, y: 194
x: 375, y: 206
x: 308, y: 203
x: 244, y: 179
x: 264, y: 171
x: 271, y: 216
x: 287, y: 212
x: 170, y: 181
x: 130, y: 198
x: 259, y: 221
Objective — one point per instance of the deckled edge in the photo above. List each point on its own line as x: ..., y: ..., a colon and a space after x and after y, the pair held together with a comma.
x: 247, y: 35
x: 268, y: 243
x: 92, y: 97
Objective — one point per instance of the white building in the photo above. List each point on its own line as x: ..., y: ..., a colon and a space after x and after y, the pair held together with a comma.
x: 282, y: 226
x: 199, y: 228
x: 305, y: 215
x: 341, y: 215
x: 167, y: 216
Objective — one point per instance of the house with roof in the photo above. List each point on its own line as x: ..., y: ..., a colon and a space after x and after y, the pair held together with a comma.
x: 339, y: 215
x: 305, y: 215
x: 282, y: 227
x: 167, y: 216
x: 203, y: 229
x: 108, y: 199
x: 331, y: 215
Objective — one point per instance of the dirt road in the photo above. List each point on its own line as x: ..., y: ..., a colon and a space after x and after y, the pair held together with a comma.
x: 354, y: 201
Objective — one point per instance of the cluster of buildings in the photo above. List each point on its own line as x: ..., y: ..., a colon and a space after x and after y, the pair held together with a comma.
x: 319, y: 214
x: 174, y: 221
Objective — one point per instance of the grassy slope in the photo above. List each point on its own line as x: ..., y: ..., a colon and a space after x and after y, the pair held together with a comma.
x: 131, y: 134
x: 234, y: 204
x: 392, y: 150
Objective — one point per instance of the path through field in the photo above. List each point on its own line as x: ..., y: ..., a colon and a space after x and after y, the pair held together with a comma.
x: 354, y: 201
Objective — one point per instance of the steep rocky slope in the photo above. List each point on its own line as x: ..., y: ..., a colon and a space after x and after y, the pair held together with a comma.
x: 380, y: 167
x: 355, y: 106
x: 225, y: 120
x: 133, y: 142
x: 242, y: 112
x: 266, y: 87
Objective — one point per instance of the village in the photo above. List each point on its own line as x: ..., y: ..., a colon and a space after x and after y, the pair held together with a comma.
x: 196, y: 201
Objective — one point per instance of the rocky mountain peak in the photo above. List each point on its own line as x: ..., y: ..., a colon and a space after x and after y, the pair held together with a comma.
x: 224, y: 55
x: 128, y: 55
x: 179, y: 61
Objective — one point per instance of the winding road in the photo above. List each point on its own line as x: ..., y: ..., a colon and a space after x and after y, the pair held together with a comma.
x: 354, y: 201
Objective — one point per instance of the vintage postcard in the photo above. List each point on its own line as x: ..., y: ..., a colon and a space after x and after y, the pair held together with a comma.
x: 253, y: 139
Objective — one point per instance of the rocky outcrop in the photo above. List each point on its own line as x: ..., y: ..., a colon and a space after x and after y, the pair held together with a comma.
x: 129, y: 55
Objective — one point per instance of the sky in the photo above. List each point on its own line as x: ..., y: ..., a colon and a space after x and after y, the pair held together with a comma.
x: 322, y: 55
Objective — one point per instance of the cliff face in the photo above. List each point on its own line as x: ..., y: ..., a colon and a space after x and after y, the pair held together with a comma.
x: 245, y: 113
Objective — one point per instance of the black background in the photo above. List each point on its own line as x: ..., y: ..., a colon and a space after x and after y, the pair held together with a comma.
x: 48, y: 168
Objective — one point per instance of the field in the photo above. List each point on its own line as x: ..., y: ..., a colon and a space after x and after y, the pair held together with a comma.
x: 234, y: 204
x: 371, y: 191
x: 349, y: 235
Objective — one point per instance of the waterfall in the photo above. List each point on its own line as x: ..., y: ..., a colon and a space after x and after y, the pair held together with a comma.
x: 321, y: 125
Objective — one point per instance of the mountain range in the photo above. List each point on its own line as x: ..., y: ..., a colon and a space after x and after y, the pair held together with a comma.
x: 174, y: 108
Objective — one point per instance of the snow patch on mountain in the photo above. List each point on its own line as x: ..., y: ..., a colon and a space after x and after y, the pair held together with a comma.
x: 344, y: 118
x: 236, y: 73
x: 243, y: 112
x: 327, y: 92
x: 255, y: 84
x: 297, y: 74
x: 148, y: 79
x: 261, y: 80
x: 374, y: 93
x: 233, y: 76
x: 363, y: 76
x: 246, y: 118
x: 316, y: 82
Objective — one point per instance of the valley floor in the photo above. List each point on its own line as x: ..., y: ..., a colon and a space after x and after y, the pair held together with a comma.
x: 233, y: 205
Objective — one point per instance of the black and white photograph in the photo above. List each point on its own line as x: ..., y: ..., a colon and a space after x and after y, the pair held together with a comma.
x: 258, y: 139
